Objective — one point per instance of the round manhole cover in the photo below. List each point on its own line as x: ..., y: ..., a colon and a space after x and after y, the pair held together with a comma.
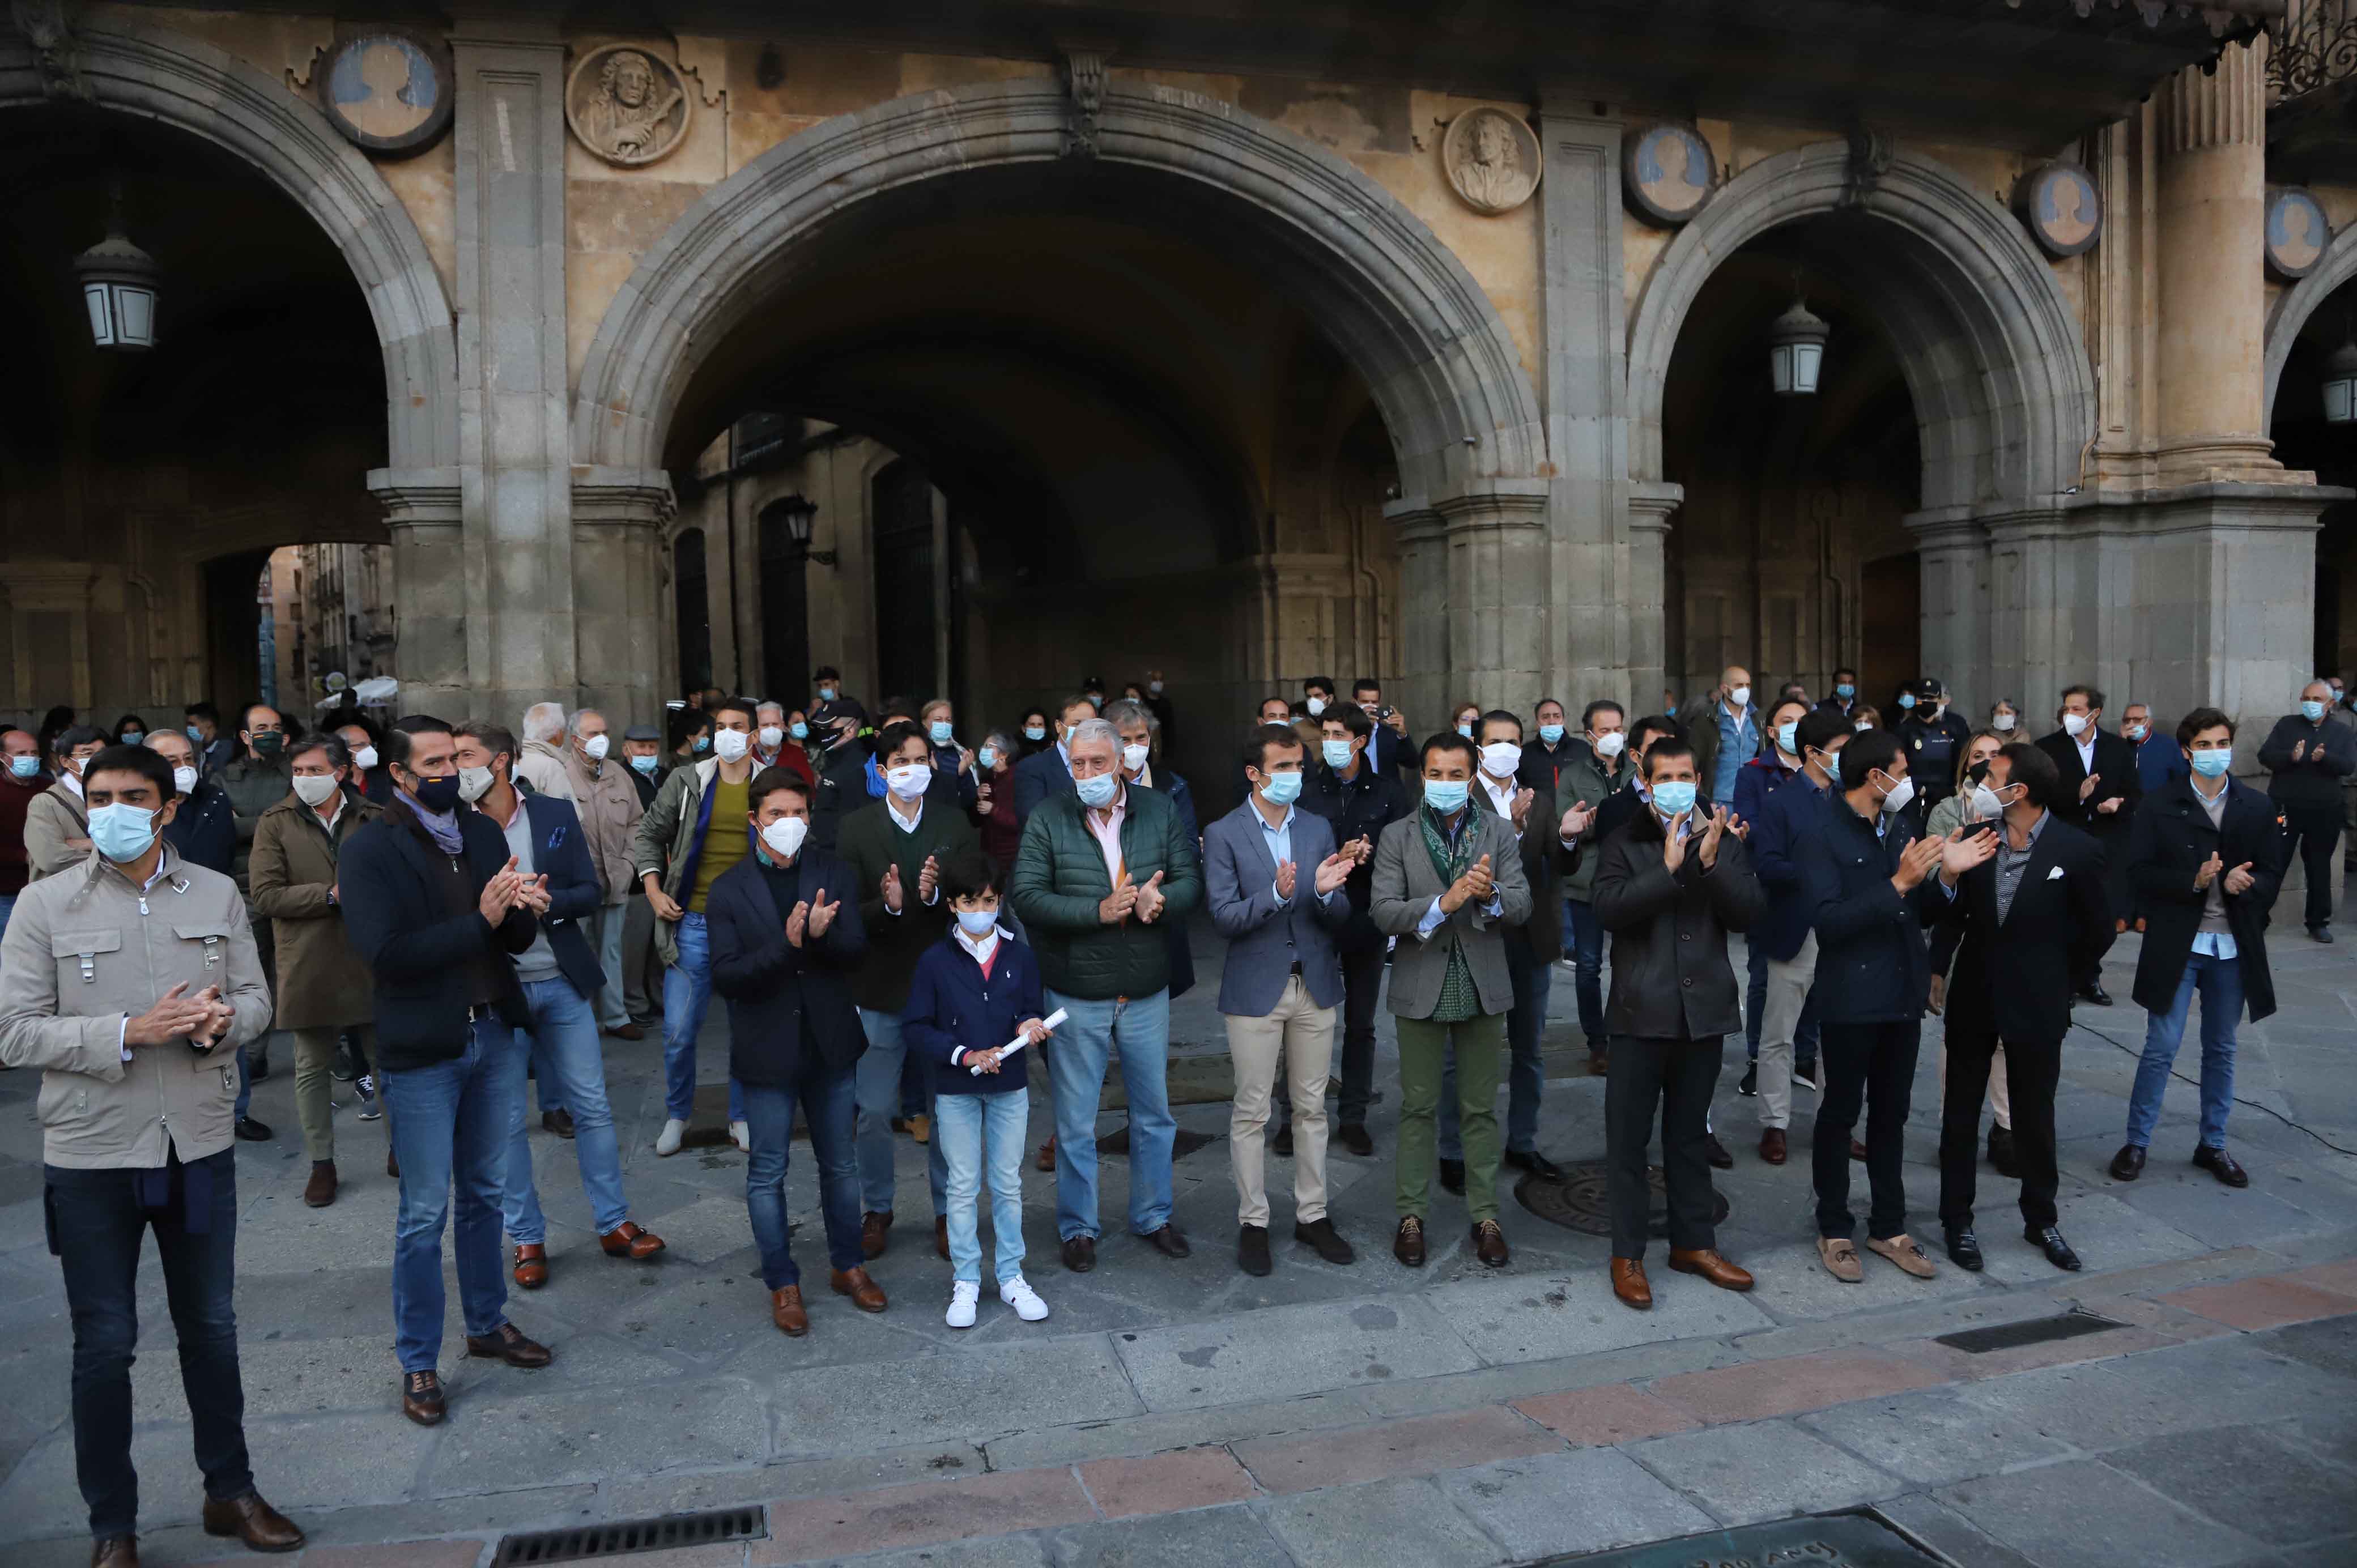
x: 1579, y: 1202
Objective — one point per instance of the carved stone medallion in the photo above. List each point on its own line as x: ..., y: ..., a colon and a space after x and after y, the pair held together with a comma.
x: 385, y: 91
x: 2058, y: 204
x: 1491, y: 160
x: 2296, y: 233
x: 627, y: 106
x: 1665, y: 173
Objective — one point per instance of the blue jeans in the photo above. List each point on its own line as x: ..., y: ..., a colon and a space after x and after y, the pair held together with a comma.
x: 1534, y: 981
x: 245, y: 1085
x: 978, y: 1132
x: 2220, y: 980
x: 1587, y: 955
x: 879, y: 1077
x: 1140, y: 1027
x: 96, y: 1228
x: 564, y: 1041
x: 450, y: 1123
x: 688, y: 996
x: 8, y: 908
x: 827, y: 1101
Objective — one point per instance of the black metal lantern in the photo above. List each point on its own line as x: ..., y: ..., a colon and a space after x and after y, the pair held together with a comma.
x: 118, y: 284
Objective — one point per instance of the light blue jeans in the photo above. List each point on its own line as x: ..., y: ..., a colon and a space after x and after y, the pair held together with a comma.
x: 1140, y: 1029
x: 879, y: 1071
x: 450, y: 1132
x: 564, y: 1041
x: 2220, y: 981
x: 687, y: 996
x: 979, y: 1132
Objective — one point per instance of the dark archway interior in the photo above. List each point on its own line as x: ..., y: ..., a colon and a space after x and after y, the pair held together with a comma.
x: 1789, y: 553
x: 2303, y: 440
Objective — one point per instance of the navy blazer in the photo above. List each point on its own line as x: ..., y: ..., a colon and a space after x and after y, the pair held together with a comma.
x: 953, y: 1005
x: 1871, y: 967
x: 559, y: 853
x: 204, y: 829
x: 1043, y: 773
x: 1787, y: 816
x: 397, y: 919
x: 1266, y: 939
x: 786, y: 1002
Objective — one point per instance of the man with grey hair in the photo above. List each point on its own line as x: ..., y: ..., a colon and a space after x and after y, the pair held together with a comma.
x: 610, y: 806
x: 769, y: 733
x: 2307, y: 756
x: 542, y: 763
x: 1097, y: 871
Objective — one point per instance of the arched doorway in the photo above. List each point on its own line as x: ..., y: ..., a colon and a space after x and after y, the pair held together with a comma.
x: 2310, y: 321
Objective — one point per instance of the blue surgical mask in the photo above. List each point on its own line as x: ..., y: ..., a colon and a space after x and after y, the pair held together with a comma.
x: 1035, y: 732
x: 1337, y: 753
x: 1098, y: 792
x: 977, y: 923
x: 2214, y: 761
x: 1845, y: 691
x: 1551, y: 733
x: 2311, y: 710
x: 131, y: 738
x: 826, y: 694
x: 194, y: 733
x: 1447, y: 795
x: 1280, y: 789
x: 122, y: 833
x: 25, y: 766
x: 1906, y: 699
x: 1784, y: 733
x: 704, y: 743
x: 799, y: 730
x: 940, y: 730
x: 1674, y: 796
x: 1465, y: 730
x: 1833, y: 767
x: 645, y: 764
x: 987, y: 757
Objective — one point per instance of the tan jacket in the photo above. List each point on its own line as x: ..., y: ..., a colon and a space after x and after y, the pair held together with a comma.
x: 84, y: 952
x: 543, y: 767
x: 52, y: 817
x: 322, y: 982
x: 609, y: 809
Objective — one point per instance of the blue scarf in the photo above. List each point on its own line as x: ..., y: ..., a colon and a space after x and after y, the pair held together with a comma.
x: 442, y: 827
x: 875, y: 781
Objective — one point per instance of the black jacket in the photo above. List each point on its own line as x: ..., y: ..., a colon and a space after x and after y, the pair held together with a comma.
x: 869, y: 844
x: 2314, y: 779
x: 786, y: 1002
x: 2168, y: 844
x: 2116, y: 779
x: 1671, y: 980
x: 1870, y: 963
x: 1545, y: 864
x: 203, y: 830
x: 398, y: 921
x: 2013, y: 980
x: 1932, y: 747
x: 1360, y: 808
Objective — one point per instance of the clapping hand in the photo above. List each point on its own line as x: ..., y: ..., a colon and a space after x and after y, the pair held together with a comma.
x: 1917, y: 861
x: 532, y: 893
x: 821, y: 913
x: 893, y: 898
x: 2087, y: 785
x: 174, y: 1014
x: 1711, y: 835
x: 1150, y: 899
x: 220, y: 1016
x: 2239, y: 880
x: 1115, y: 905
x: 1360, y: 849
x: 2299, y: 749
x: 1473, y: 888
x: 1286, y: 876
x: 498, y: 894
x: 798, y: 923
x: 1960, y: 851
x: 2110, y: 807
x: 1333, y: 871
x: 2209, y: 873
x: 1522, y: 799
x: 1576, y: 820
x: 1673, y: 845
x: 929, y: 879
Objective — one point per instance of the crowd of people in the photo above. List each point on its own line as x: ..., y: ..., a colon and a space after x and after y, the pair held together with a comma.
x: 904, y: 918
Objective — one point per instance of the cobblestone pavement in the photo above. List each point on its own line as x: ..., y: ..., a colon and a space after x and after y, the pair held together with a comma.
x: 1183, y: 1412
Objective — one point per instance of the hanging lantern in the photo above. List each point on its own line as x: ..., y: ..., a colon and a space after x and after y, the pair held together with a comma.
x: 118, y: 284
x: 1796, y: 351
x: 2341, y: 385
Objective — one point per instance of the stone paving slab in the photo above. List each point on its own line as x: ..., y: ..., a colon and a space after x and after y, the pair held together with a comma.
x: 1544, y: 1320
x: 1293, y: 1350
x: 1932, y: 1438
x: 2082, y: 1510
x: 1382, y: 1522
x: 1764, y: 1470
x: 1588, y: 1501
x: 1412, y: 1447
x: 922, y: 1399
x: 1223, y: 1536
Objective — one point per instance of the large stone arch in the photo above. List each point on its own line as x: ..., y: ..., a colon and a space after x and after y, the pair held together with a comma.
x: 1992, y: 352
x: 134, y: 69
x: 2296, y: 303
x: 1442, y: 366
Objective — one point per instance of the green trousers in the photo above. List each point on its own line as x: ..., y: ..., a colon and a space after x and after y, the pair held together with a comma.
x: 315, y: 1055
x: 1480, y: 1042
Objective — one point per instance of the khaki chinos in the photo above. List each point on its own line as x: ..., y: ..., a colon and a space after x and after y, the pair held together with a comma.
x: 1302, y: 1034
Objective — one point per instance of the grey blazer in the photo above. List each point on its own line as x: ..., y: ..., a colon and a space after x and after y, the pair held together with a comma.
x: 1404, y: 887
x: 1264, y: 941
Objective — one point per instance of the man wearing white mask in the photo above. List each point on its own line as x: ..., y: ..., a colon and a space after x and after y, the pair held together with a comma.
x: 896, y: 848
x: 2100, y: 792
x: 768, y: 734
x: 610, y: 808
x: 685, y: 841
x: 2306, y: 756
x: 202, y: 829
x: 955, y: 762
x: 57, y: 823
x: 1318, y: 695
x: 1724, y: 729
x: 541, y: 763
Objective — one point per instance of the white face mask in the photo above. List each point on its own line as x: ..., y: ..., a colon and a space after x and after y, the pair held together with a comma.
x: 184, y: 780
x: 1897, y: 800
x: 1739, y: 696
x: 1316, y: 706
x: 474, y: 783
x: 785, y: 837
x: 2002, y: 724
x: 771, y: 737
x: 364, y: 758
x: 1133, y: 757
x: 729, y: 745
x: 2074, y: 724
x: 908, y: 782
x: 1609, y: 747
x: 1500, y: 758
x: 313, y: 789
x: 1986, y: 807
x: 595, y: 747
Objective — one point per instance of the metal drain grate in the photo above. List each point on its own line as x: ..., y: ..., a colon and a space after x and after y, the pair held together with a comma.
x: 2034, y: 1331
x: 630, y: 1537
x: 1580, y: 1201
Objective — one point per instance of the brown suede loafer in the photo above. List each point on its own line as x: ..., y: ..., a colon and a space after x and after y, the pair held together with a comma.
x: 628, y: 1241
x: 254, y: 1522
x: 507, y: 1344
x: 864, y: 1294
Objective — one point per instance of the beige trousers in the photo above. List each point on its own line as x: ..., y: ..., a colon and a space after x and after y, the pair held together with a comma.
x: 1780, y: 1018
x: 1302, y: 1034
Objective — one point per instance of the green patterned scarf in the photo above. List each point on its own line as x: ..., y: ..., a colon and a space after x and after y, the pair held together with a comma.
x: 1460, y: 999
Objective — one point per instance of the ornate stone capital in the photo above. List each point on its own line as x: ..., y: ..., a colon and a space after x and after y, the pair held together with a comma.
x: 416, y: 497
x: 1495, y: 504
x: 622, y: 498
x: 1651, y: 504
x: 2217, y: 108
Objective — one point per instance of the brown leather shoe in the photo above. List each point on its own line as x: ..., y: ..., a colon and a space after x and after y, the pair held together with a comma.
x: 1598, y: 1064
x: 1489, y: 1244
x: 507, y: 1344
x: 420, y: 1397
x: 628, y: 1032
x: 531, y: 1265
x: 1703, y: 1260
x: 254, y: 1522
x: 632, y: 1241
x: 116, y: 1552
x: 1408, y: 1245
x: 941, y: 1236
x: 1629, y: 1282
x: 1047, y: 1160
x: 874, y: 1235
x: 1771, y: 1145
x: 786, y: 1310
x: 320, y: 1190
x: 864, y: 1294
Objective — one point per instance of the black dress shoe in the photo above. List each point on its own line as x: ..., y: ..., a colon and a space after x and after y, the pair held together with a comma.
x: 1452, y: 1175
x: 1715, y: 1152
x: 2058, y: 1252
x: 1282, y: 1145
x: 1321, y: 1234
x: 252, y: 1131
x: 2096, y: 993
x: 1170, y: 1243
x: 1079, y: 1253
x: 2128, y: 1164
x: 1965, y: 1249
x: 559, y: 1122
x: 1355, y: 1139
x: 2221, y: 1164
x: 1538, y: 1164
x: 1251, y: 1249
x: 257, y: 1066
x: 1749, y: 1082
x: 2320, y: 933
x: 2000, y: 1152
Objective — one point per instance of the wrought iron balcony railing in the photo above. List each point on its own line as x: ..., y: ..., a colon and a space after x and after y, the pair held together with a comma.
x: 2312, y: 46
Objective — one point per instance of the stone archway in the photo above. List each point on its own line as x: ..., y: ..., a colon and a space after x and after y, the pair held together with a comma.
x: 131, y: 68
x: 2296, y: 303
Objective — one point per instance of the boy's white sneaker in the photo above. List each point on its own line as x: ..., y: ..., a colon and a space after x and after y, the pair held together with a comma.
x: 667, y: 1141
x: 1019, y: 1295
x: 741, y: 1135
x: 962, y: 1296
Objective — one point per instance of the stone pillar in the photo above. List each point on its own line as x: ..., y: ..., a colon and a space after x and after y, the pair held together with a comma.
x: 1953, y: 552
x: 515, y: 452
x: 1645, y: 606
x: 1474, y: 579
x: 618, y: 517
x: 1421, y: 690
x: 429, y: 588
x: 2213, y: 295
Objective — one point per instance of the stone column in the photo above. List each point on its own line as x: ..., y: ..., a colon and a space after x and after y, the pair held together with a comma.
x: 1474, y: 579
x: 1644, y: 607
x: 1953, y: 552
x: 2213, y: 295
x: 429, y: 588
x: 618, y: 517
x: 514, y: 440
x: 1421, y: 692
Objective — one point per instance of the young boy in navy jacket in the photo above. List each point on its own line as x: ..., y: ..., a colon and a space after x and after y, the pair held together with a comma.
x: 974, y: 991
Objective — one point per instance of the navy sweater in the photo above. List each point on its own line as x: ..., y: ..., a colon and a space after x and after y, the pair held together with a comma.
x: 953, y: 1006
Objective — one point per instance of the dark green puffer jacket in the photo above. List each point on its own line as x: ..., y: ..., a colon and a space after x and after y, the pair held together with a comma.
x: 1059, y: 879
